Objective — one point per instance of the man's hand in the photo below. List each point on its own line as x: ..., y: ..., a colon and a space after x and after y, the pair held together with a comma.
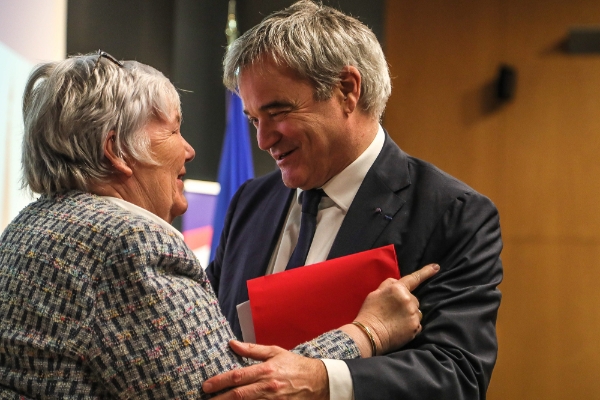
x: 282, y: 375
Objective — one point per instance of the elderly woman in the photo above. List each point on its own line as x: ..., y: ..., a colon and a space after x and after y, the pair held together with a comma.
x: 100, y: 297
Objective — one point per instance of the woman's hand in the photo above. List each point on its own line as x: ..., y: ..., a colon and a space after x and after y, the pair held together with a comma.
x: 390, y: 315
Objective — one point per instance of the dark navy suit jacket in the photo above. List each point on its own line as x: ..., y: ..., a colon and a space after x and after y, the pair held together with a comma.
x: 430, y: 217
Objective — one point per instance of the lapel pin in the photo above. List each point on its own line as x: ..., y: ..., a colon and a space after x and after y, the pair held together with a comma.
x: 378, y: 210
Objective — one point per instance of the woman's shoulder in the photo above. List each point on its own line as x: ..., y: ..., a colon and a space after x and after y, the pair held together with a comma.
x: 87, y: 210
x: 89, y: 222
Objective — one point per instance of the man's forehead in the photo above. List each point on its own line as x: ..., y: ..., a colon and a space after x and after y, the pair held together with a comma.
x: 271, y: 80
x: 267, y: 67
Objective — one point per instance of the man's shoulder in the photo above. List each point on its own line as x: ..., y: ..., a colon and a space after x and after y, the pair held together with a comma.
x: 272, y: 179
x: 428, y: 172
x: 264, y: 188
x: 432, y: 185
x: 426, y: 180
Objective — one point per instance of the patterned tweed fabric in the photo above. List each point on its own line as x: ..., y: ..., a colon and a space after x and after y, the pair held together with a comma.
x: 96, y: 302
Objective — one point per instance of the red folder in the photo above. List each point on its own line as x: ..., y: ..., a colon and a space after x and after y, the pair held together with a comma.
x: 294, y: 306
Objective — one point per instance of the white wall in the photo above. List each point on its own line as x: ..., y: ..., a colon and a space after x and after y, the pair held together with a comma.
x: 35, y: 29
x: 31, y: 31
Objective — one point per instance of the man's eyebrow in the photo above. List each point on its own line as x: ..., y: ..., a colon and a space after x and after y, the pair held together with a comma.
x: 275, y: 104
x: 271, y: 105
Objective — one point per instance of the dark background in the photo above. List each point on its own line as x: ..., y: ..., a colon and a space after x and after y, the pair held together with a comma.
x: 185, y: 39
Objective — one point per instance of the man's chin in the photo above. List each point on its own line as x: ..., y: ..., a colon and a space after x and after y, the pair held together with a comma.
x: 292, y: 181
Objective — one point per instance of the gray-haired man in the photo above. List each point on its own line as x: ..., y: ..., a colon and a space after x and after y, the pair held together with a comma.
x: 314, y: 83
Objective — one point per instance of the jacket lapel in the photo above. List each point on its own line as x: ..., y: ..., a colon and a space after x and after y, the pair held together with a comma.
x: 267, y: 235
x: 376, y: 203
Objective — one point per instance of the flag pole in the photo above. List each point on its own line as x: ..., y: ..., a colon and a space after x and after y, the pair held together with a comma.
x: 231, y: 30
x: 235, y: 166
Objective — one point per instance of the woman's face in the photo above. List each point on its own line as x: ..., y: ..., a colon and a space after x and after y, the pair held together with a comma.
x: 162, y: 185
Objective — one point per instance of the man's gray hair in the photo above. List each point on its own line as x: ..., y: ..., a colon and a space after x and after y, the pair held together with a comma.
x: 71, y: 106
x: 317, y: 42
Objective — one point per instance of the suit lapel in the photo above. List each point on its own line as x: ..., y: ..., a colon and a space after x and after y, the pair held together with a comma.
x: 268, y: 234
x: 376, y: 203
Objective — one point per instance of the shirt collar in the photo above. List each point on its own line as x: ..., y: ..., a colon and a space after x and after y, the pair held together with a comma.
x: 342, y: 188
x: 143, y: 213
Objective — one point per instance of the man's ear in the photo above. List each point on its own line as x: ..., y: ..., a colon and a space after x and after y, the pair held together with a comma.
x: 110, y: 152
x: 350, y: 81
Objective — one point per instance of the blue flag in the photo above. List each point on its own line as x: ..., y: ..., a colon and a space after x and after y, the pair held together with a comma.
x: 235, y: 166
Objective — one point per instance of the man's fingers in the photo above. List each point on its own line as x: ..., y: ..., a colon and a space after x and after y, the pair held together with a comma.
x: 237, y: 377
x: 254, y: 351
x: 413, y: 280
x: 242, y: 376
x: 250, y: 392
x: 227, y: 379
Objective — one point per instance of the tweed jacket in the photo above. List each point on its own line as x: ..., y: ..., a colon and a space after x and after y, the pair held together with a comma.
x: 97, y: 302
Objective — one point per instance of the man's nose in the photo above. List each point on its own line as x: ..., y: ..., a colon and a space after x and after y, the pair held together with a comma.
x: 266, y: 135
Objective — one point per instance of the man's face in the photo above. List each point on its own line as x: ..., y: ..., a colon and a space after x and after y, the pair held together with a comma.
x: 163, y: 184
x: 308, y: 139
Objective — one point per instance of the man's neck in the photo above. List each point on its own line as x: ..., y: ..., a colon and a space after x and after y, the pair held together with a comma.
x: 364, y: 129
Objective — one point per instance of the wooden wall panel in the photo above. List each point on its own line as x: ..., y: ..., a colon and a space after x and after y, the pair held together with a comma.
x: 548, y: 324
x: 536, y: 157
x: 442, y: 92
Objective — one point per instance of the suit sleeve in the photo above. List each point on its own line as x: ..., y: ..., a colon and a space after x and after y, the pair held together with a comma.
x: 453, y: 357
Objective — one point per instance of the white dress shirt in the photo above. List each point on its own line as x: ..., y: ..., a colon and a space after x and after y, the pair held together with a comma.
x: 340, y: 190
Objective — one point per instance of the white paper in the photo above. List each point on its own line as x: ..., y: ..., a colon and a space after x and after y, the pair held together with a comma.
x: 245, y: 316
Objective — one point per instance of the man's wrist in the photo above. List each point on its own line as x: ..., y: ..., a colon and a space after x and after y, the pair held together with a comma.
x: 340, y: 380
x: 322, y: 379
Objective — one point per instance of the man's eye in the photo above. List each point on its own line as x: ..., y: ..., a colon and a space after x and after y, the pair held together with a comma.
x: 277, y: 115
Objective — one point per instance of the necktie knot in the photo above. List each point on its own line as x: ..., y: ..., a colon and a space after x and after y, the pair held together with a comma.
x: 310, y: 200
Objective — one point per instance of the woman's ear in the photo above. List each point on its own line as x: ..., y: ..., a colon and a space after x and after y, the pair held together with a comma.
x: 350, y: 81
x: 110, y: 152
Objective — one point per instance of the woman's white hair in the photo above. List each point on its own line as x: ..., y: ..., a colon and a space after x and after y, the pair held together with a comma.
x: 71, y: 106
x: 317, y: 42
